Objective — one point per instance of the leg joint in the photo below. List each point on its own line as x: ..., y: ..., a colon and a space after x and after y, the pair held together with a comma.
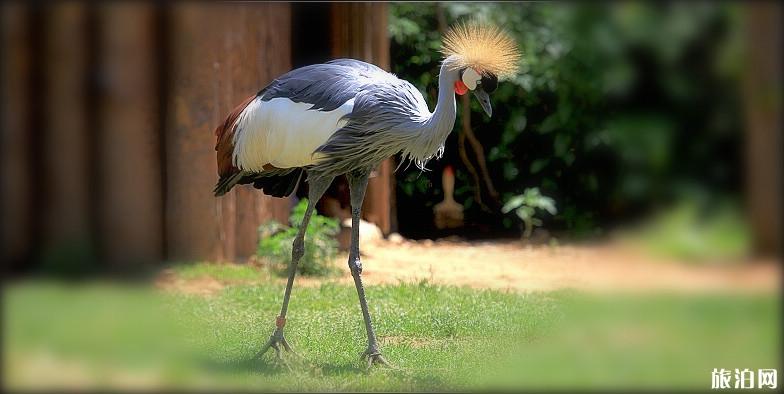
x: 355, y: 265
x: 297, y: 249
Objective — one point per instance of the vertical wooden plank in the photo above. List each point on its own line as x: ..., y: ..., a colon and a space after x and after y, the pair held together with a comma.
x: 263, y: 60
x: 216, y: 64
x: 381, y: 46
x: 15, y: 173
x: 359, y: 30
x: 242, y: 68
x: 194, y: 217
x: 130, y: 199
x: 338, y: 28
x: 381, y: 191
x: 65, y: 146
x: 764, y: 145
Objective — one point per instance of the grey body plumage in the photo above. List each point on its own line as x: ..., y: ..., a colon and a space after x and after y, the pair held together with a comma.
x: 389, y: 116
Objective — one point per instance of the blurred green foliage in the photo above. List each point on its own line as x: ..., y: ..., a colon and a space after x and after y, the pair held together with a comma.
x: 275, y: 242
x: 688, y: 233
x: 617, y: 108
x: 527, y: 205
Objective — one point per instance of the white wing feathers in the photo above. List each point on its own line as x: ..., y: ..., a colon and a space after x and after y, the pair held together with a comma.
x: 283, y: 133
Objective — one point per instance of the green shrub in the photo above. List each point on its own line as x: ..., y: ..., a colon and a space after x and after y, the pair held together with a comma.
x: 525, y: 206
x: 275, y: 242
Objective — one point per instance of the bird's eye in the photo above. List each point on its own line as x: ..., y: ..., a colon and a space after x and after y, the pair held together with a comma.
x: 489, y: 83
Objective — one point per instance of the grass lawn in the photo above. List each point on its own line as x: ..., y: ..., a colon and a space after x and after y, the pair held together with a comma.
x: 439, y: 338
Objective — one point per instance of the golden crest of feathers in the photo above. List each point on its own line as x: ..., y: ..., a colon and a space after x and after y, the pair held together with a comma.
x: 486, y: 48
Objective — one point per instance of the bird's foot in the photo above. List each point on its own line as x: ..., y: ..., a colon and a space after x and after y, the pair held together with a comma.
x: 373, y: 356
x: 277, y: 342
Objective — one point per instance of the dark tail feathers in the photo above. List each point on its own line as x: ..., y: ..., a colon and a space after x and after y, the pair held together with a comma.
x: 226, y: 182
x: 273, y: 185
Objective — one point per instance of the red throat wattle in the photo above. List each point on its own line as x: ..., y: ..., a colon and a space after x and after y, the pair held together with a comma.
x: 460, y: 87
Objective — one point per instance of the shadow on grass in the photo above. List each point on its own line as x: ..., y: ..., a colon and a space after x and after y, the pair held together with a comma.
x: 269, y: 366
x: 263, y: 366
x: 337, y: 369
x: 410, y: 379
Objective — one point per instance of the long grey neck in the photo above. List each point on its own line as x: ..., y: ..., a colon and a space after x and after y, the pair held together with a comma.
x: 433, y: 132
x: 443, y: 118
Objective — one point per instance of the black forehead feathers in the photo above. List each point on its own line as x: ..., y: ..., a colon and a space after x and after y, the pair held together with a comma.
x: 489, y: 82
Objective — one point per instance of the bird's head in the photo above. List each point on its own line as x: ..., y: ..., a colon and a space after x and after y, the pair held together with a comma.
x: 481, y: 54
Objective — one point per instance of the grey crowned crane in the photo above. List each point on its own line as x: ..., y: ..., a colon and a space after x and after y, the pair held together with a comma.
x: 345, y: 117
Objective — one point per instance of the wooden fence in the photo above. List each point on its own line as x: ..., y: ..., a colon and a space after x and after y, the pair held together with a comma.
x: 108, y: 118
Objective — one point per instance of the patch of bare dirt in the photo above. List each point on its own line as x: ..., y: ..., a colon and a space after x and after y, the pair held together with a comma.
x: 510, y: 265
x: 28, y: 370
x: 204, y: 286
x: 513, y: 266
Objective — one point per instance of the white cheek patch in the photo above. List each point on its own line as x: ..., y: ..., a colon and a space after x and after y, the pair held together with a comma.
x: 470, y: 78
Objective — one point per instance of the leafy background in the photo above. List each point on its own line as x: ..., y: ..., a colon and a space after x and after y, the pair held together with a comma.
x: 618, y: 109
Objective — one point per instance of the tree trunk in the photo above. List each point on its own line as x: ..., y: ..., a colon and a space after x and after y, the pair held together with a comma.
x: 762, y: 88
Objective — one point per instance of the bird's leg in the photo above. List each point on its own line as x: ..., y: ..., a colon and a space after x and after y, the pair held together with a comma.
x: 317, y: 187
x: 358, y: 184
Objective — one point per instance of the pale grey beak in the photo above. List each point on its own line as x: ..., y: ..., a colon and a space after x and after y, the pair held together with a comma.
x: 484, y: 101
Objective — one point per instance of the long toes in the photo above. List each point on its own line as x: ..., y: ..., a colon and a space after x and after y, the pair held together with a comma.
x: 380, y: 360
x: 376, y: 361
x: 263, y: 350
x: 288, y: 348
x: 375, y: 358
x: 279, y: 344
x: 277, y: 350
